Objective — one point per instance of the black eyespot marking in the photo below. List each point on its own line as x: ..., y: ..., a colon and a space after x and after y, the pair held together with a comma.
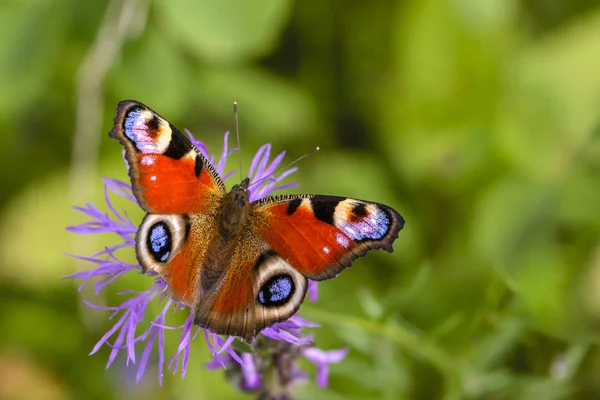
x: 324, y: 209
x: 293, y: 206
x: 159, y: 242
x: 198, y: 165
x: 263, y: 256
x: 359, y: 209
x: 179, y: 146
x: 277, y: 291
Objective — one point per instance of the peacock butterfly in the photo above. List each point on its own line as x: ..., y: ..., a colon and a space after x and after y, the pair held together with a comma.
x: 243, y: 265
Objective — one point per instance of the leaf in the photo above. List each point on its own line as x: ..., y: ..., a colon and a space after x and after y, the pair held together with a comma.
x: 370, y: 304
x: 407, y: 337
x: 353, y: 174
x: 33, y: 236
x: 21, y: 322
x: 30, y: 35
x: 589, y: 290
x: 155, y: 73
x: 550, y: 107
x: 544, y: 287
x: 443, y: 94
x: 225, y: 30
x: 271, y: 109
x: 490, y: 351
x: 565, y: 64
x: 510, y: 216
x: 580, y: 199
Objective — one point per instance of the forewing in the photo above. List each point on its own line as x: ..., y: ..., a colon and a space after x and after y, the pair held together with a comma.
x: 322, y: 235
x: 168, y: 173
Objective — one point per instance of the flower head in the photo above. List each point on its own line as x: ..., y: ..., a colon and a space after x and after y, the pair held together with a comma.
x: 285, y: 339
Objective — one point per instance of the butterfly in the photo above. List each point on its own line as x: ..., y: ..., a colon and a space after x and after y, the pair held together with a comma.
x: 242, y: 265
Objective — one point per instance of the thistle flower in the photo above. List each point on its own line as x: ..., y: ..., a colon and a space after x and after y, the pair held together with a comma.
x: 274, y: 351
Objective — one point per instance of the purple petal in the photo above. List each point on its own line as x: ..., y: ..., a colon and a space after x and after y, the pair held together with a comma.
x: 273, y: 166
x: 224, y: 345
x: 120, y: 188
x: 313, y: 290
x: 224, y: 153
x: 251, y: 379
x: 267, y: 187
x: 108, y: 334
x: 257, y: 158
x: 120, y: 337
x: 183, y: 350
x: 161, y: 355
x: 145, y: 356
x: 215, y: 354
x: 322, y: 359
x: 150, y: 336
x: 262, y: 164
x: 292, y: 337
x: 199, y: 145
x: 217, y: 363
x: 229, y: 175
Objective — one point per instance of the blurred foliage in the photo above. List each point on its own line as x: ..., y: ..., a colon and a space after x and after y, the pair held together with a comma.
x: 477, y: 119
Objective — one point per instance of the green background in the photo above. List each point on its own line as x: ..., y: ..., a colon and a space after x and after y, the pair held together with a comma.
x: 479, y: 120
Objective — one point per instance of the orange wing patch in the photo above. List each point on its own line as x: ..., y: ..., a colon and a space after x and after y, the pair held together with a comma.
x: 229, y: 307
x: 181, y: 275
x: 168, y: 174
x: 322, y: 235
x: 310, y: 245
x: 258, y: 289
x: 168, y: 186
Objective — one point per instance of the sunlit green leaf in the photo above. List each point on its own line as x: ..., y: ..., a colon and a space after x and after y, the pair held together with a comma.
x: 270, y: 108
x: 510, y: 216
x: 155, y: 73
x: 227, y: 30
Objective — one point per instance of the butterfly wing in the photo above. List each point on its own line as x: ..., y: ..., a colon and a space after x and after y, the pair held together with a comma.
x: 259, y: 289
x: 322, y: 235
x: 261, y: 276
x: 290, y: 239
x: 180, y: 190
x: 168, y: 173
x: 175, y: 245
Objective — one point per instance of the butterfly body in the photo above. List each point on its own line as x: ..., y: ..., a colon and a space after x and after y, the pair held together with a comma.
x: 243, y: 265
x: 231, y: 220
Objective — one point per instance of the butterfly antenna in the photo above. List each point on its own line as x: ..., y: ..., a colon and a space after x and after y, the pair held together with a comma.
x: 272, y: 175
x: 237, y: 136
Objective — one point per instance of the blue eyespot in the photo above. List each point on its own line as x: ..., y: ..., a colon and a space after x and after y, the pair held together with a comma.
x: 370, y: 226
x: 276, y: 291
x: 133, y: 117
x: 159, y: 241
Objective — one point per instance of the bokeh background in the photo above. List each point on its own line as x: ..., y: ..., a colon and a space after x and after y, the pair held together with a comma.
x: 479, y: 120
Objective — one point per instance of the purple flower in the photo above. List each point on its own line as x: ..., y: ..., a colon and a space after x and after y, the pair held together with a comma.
x: 284, y: 339
x: 322, y: 359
